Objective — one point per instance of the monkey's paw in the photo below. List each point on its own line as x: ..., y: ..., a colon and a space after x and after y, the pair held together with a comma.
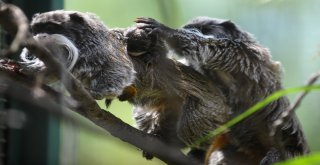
x: 150, y: 25
x: 127, y: 93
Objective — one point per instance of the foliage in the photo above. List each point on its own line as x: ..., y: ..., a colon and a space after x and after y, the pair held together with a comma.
x: 312, y: 159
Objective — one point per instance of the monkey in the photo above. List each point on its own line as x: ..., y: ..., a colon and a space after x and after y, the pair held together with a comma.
x: 173, y: 101
x: 86, y: 47
x: 244, y: 70
x: 96, y: 56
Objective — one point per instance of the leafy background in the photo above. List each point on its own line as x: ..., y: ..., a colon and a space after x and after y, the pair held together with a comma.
x: 290, y: 28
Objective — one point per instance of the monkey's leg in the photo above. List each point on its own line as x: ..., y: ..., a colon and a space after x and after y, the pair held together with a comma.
x: 159, y: 122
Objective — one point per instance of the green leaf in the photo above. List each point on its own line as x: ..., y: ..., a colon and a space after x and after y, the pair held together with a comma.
x: 276, y: 95
x: 312, y: 159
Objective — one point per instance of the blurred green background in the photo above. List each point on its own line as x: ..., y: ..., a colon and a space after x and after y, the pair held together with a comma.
x: 290, y: 28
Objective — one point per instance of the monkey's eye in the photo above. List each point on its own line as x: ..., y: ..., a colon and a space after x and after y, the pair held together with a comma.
x: 220, y: 35
x: 52, y: 27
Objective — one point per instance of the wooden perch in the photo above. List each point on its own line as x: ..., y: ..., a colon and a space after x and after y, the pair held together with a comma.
x: 13, y: 18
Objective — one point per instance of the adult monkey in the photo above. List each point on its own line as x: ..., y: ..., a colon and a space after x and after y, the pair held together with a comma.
x: 244, y: 70
x: 89, y: 50
x: 173, y: 101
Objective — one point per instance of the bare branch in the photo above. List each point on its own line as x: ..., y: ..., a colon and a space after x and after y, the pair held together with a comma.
x: 297, y: 102
x: 285, y: 115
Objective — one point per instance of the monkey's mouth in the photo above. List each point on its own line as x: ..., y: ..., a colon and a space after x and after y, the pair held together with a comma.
x: 31, y: 61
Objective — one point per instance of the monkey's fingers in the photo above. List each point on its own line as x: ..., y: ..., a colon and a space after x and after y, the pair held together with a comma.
x: 145, y: 20
x: 145, y: 26
x: 149, y: 29
x: 147, y: 23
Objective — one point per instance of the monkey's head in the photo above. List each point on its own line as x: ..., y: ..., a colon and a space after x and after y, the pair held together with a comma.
x: 69, y: 34
x: 94, y: 54
x: 218, y: 28
x: 58, y: 44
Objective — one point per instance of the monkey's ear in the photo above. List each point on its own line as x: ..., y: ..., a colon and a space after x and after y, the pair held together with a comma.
x: 76, y: 17
x: 228, y: 25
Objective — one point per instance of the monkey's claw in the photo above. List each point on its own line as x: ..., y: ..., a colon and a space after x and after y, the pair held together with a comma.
x: 144, y: 23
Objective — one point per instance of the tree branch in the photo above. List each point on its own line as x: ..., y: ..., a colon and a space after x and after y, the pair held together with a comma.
x: 15, y: 22
x: 11, y: 17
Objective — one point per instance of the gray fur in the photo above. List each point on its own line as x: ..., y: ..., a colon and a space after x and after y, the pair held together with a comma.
x: 245, y: 72
x: 170, y: 93
x: 102, y: 64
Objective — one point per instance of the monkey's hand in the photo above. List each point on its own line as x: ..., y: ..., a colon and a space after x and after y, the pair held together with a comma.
x: 127, y: 93
x: 152, y: 27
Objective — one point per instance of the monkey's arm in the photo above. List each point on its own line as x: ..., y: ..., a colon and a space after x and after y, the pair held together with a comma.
x: 180, y: 40
x: 110, y: 83
x: 214, y: 53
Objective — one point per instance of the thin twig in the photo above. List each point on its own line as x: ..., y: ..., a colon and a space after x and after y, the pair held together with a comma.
x: 311, y: 81
x: 285, y: 115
